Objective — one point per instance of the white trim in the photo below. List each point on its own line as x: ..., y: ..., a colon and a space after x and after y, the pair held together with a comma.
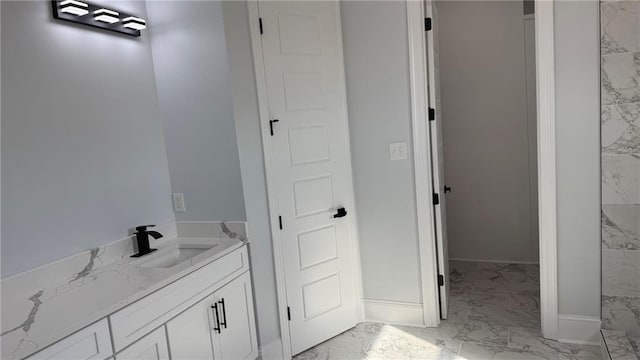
x: 545, y: 87
x: 272, y: 351
x: 495, y: 261
x: 578, y: 329
x: 393, y: 312
x: 263, y: 110
x: 422, y: 163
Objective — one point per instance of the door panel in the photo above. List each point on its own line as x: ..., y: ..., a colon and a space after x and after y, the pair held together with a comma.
x: 190, y: 332
x: 302, y: 50
x: 152, y: 346
x: 437, y: 153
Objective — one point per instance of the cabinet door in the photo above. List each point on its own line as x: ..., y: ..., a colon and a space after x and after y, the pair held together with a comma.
x: 190, y: 332
x: 237, y: 337
x: 151, y: 347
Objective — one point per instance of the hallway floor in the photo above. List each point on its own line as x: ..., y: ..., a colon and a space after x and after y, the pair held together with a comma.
x: 494, y: 313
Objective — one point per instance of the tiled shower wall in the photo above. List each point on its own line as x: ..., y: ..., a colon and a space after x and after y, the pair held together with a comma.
x: 620, y: 94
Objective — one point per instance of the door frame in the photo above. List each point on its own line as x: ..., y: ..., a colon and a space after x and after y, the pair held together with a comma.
x: 272, y: 194
x: 545, y: 89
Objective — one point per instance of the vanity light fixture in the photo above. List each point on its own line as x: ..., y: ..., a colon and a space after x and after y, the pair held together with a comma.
x: 74, y: 7
x: 106, y: 16
x: 135, y: 23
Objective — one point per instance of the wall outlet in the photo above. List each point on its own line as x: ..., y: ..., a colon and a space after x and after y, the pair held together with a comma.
x: 398, y: 151
x: 178, y: 202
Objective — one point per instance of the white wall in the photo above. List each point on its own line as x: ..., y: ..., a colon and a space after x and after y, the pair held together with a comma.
x: 377, y: 75
x: 194, y: 90
x: 486, y: 131
x: 245, y: 105
x: 83, y: 154
x: 578, y: 156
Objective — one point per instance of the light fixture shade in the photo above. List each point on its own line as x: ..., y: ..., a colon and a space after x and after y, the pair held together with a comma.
x: 135, y: 23
x: 74, y: 7
x: 106, y: 16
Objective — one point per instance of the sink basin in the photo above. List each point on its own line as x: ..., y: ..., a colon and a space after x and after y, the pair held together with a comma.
x: 167, y: 258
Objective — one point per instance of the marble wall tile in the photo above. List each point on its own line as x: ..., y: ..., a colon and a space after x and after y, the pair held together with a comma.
x: 621, y: 226
x: 621, y: 179
x: 620, y: 27
x: 621, y: 313
x: 620, y: 78
x: 621, y: 128
x: 621, y: 273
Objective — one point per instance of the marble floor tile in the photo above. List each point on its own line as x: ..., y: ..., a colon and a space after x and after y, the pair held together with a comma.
x: 470, y: 331
x: 505, y: 309
x: 474, y: 351
x: 395, y: 342
x: 532, y: 340
x: 618, y: 345
x: 635, y: 342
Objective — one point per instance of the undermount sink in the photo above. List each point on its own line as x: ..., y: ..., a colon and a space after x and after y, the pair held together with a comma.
x: 167, y: 258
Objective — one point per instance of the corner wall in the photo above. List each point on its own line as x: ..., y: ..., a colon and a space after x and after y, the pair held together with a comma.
x: 620, y: 94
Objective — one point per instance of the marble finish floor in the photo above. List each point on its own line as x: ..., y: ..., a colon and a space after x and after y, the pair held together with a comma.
x: 494, y: 313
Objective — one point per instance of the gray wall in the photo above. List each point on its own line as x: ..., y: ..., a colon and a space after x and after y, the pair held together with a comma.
x: 192, y: 76
x: 578, y: 156
x: 377, y: 74
x: 245, y: 104
x: 83, y: 153
x: 486, y: 131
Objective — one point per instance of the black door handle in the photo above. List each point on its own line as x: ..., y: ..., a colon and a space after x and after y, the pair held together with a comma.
x: 447, y: 189
x: 342, y: 212
x: 271, y: 122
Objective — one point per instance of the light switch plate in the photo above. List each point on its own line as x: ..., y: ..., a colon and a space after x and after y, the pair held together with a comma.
x: 398, y: 151
x: 178, y: 202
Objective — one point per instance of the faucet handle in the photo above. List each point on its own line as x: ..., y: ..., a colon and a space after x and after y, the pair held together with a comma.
x: 143, y: 228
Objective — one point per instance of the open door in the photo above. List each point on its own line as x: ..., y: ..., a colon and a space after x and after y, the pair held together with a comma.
x: 437, y: 154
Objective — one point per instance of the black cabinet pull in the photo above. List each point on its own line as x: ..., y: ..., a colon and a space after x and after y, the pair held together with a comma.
x: 217, y: 316
x: 342, y: 212
x: 224, y: 313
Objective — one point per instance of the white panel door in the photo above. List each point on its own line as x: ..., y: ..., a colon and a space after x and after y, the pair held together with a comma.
x: 437, y: 153
x: 304, y: 71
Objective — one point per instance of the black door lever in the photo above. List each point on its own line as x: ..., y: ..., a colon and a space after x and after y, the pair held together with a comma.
x: 271, y: 125
x: 342, y: 212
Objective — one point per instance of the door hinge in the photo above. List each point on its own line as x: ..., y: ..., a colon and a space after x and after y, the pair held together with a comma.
x: 260, y: 22
x: 432, y: 114
x: 440, y: 280
x: 289, y: 313
x: 436, y: 199
x: 280, y: 222
x: 427, y: 24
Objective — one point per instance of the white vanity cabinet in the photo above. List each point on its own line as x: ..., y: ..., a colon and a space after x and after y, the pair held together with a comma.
x: 221, y: 327
x: 152, y: 346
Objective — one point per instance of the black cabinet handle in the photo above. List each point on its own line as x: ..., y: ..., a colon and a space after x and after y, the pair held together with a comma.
x: 342, y: 212
x: 447, y: 189
x: 217, y: 316
x: 224, y: 314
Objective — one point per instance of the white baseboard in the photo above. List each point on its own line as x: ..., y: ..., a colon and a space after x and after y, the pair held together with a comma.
x: 393, y: 312
x: 496, y: 261
x: 578, y: 329
x: 272, y: 351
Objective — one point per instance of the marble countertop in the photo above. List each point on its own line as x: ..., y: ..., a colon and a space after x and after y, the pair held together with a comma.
x: 42, y: 306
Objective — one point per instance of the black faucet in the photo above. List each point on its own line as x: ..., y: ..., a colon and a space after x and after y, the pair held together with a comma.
x: 142, y: 238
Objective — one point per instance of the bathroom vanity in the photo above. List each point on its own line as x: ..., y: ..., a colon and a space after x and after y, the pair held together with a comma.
x: 190, y: 299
